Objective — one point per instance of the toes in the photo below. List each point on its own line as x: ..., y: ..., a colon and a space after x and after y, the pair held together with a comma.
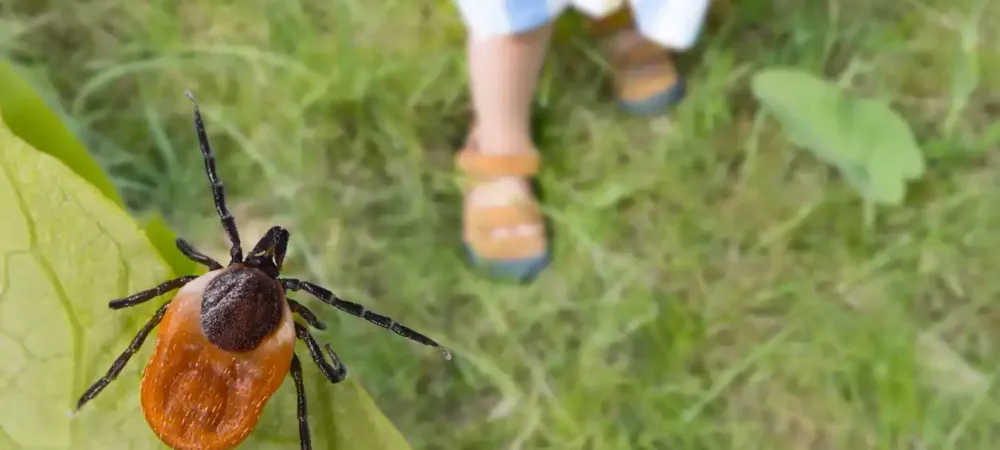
x: 501, y: 233
x: 526, y: 230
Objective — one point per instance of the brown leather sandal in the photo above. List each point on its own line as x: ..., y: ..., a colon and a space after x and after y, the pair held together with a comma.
x: 519, y: 257
x: 646, y: 81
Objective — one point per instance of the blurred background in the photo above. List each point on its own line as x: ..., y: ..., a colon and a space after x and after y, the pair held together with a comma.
x: 714, y: 287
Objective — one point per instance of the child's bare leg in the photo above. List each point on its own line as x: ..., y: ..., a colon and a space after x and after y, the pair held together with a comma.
x: 503, y: 74
x: 646, y: 81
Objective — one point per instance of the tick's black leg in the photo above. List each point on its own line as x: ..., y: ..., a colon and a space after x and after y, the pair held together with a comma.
x: 306, y: 314
x: 335, y: 371
x: 355, y: 309
x: 300, y: 394
x: 119, y: 363
x: 218, y: 190
x: 194, y: 255
x: 147, y: 295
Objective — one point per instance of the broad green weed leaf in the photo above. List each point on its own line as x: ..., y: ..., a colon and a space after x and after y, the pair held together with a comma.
x: 869, y: 142
x: 896, y: 157
x: 810, y: 110
x: 875, y: 126
x: 31, y: 119
x: 65, y: 250
x: 165, y: 241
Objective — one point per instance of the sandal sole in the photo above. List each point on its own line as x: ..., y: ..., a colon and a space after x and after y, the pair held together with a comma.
x: 657, y: 103
x: 523, y: 269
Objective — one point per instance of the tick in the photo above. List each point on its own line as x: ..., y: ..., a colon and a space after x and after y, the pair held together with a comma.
x: 227, y: 339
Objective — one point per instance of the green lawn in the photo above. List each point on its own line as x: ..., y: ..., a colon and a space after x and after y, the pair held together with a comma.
x: 714, y: 287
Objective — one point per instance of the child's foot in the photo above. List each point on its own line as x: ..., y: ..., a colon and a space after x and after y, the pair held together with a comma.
x: 646, y: 81
x: 502, y: 226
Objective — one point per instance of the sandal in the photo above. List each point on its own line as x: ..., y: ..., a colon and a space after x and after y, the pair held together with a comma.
x: 520, y: 257
x: 646, y: 81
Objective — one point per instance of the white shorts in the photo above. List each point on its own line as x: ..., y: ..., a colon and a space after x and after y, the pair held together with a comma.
x: 674, y: 24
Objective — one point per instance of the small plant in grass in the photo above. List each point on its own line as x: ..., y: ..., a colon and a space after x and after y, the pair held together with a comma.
x: 870, y: 144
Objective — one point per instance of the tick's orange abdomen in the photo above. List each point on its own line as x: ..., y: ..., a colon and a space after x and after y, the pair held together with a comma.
x: 196, y: 396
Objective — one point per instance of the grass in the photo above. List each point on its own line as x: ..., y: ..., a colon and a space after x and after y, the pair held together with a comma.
x: 714, y: 287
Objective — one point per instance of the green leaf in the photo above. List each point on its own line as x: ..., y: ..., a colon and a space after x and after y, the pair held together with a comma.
x: 31, y: 119
x: 66, y: 249
x: 27, y: 115
x: 867, y: 141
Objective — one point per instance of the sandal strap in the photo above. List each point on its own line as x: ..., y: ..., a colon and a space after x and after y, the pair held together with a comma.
x: 657, y: 73
x: 611, y: 23
x: 482, y: 165
x: 488, y: 218
x: 481, y: 221
x: 640, y: 54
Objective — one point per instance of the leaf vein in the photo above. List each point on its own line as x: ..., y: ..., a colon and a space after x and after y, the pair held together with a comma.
x: 76, y: 329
